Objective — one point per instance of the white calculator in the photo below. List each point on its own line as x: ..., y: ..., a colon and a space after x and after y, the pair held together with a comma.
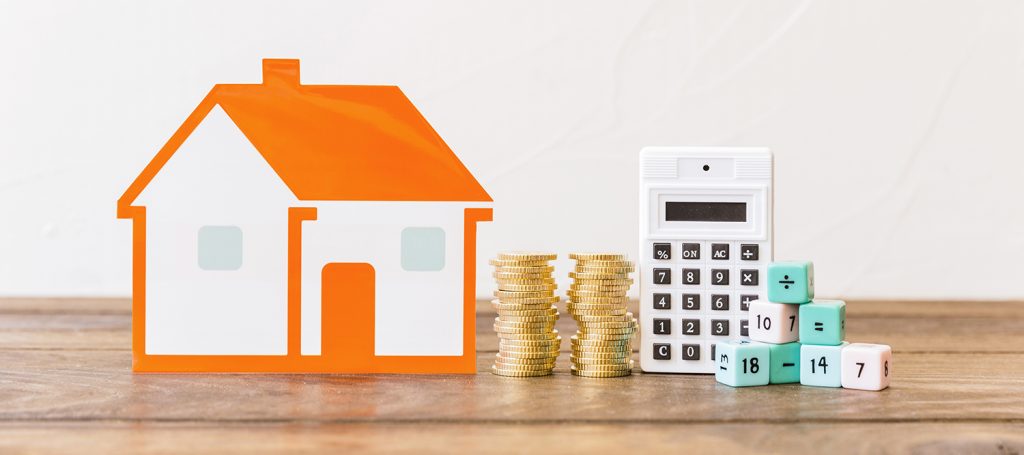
x: 705, y: 243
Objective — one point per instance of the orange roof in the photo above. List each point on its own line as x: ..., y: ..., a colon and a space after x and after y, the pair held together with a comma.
x: 333, y: 142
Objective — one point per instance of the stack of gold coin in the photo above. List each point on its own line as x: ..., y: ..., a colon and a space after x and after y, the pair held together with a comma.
x: 602, y: 346
x: 525, y: 301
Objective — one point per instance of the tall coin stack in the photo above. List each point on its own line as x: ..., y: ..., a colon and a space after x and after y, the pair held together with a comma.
x: 525, y: 303
x: 602, y: 346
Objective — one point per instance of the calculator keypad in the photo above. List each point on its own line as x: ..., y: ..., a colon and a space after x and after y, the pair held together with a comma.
x: 698, y: 293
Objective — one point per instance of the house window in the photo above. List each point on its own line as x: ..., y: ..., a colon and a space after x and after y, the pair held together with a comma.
x: 423, y: 249
x: 220, y: 248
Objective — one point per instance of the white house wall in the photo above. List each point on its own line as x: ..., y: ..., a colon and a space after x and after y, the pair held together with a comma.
x: 417, y: 313
x: 216, y: 178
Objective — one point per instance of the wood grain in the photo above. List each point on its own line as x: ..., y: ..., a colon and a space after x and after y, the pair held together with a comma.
x: 66, y: 385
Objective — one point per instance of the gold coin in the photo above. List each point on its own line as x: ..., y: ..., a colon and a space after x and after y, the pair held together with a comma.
x: 524, y: 268
x: 505, y: 359
x: 608, y: 282
x: 541, y: 311
x: 595, y: 336
x: 523, y: 366
x: 526, y: 256
x: 598, y: 300
x: 582, y: 294
x: 601, y: 354
x: 597, y: 257
x: 531, y: 344
x: 594, y: 342
x: 503, y: 282
x: 515, y: 295
x: 608, y: 367
x: 552, y: 335
x: 523, y: 327
x: 531, y: 302
x: 589, y: 362
x: 598, y: 288
x: 511, y: 263
x: 500, y: 308
x: 603, y: 270
x: 605, y: 263
x: 590, y: 312
x: 601, y: 374
x: 520, y: 276
x: 599, y: 276
x: 545, y: 318
x: 519, y: 373
x: 626, y: 326
x: 628, y: 317
x: 528, y: 287
x: 545, y: 354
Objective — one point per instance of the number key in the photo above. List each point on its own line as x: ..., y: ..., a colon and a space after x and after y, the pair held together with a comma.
x: 691, y: 302
x: 691, y: 326
x: 720, y: 327
x: 691, y: 352
x: 662, y: 326
x: 720, y: 277
x: 720, y: 302
x: 662, y: 276
x: 662, y: 301
x: 691, y: 276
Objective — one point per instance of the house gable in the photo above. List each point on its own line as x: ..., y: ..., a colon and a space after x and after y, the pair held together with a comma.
x: 216, y: 169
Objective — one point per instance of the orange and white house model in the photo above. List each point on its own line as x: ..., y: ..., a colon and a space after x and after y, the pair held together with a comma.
x: 304, y: 228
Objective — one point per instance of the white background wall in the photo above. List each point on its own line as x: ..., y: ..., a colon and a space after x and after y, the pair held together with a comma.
x: 898, y: 126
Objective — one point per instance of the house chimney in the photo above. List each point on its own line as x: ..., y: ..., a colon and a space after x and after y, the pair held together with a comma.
x: 280, y: 70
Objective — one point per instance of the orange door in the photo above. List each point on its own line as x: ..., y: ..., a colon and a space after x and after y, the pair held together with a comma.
x: 347, y: 315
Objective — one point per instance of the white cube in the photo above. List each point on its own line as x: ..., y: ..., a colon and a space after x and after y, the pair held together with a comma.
x: 866, y: 366
x: 774, y: 322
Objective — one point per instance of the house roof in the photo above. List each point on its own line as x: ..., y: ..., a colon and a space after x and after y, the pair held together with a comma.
x: 333, y: 142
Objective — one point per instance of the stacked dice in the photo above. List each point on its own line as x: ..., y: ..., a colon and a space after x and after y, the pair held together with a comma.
x: 796, y: 338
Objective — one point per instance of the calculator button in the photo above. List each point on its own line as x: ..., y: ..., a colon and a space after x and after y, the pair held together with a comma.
x: 691, y: 276
x: 749, y: 252
x: 691, y: 352
x: 720, y: 251
x: 720, y: 302
x: 691, y: 302
x: 691, y: 251
x: 720, y: 277
x: 662, y: 326
x: 744, y: 328
x: 748, y: 277
x: 745, y: 300
x: 662, y: 301
x: 720, y: 327
x: 662, y: 351
x: 691, y: 326
x: 662, y: 251
x: 662, y: 276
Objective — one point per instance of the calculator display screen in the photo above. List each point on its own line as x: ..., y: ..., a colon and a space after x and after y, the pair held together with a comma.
x: 706, y: 211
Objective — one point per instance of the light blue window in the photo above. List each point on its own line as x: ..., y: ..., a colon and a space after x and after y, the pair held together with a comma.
x: 220, y: 248
x: 423, y: 249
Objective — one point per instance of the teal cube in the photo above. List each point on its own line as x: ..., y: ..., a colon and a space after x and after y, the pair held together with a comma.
x: 791, y: 282
x: 742, y: 363
x: 785, y: 363
x: 821, y: 365
x: 823, y: 322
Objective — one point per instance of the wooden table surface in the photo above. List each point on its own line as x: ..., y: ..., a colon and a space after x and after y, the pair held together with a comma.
x: 66, y: 387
